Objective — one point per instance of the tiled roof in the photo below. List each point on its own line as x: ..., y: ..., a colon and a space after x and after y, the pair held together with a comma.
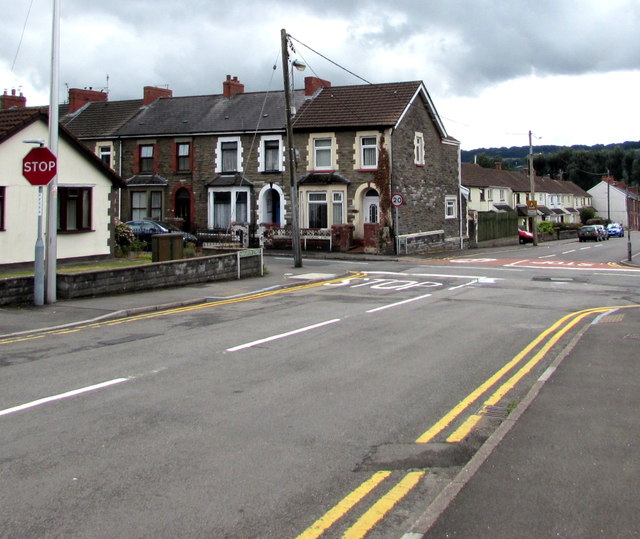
x: 318, y: 178
x: 477, y: 176
x: 262, y: 111
x: 230, y: 180
x: 102, y: 119
x: 357, y: 106
x: 14, y: 119
x: 146, y: 180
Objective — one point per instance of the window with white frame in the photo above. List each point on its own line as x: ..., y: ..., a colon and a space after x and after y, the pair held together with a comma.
x: 317, y: 210
x: 270, y: 154
x: 146, y: 205
x: 450, y: 207
x: 501, y: 195
x: 338, y: 207
x: 228, y: 206
x: 183, y: 156
x: 229, y: 155
x: 105, y: 154
x: 322, y: 154
x: 418, y: 148
x: 369, y: 152
x: 146, y: 157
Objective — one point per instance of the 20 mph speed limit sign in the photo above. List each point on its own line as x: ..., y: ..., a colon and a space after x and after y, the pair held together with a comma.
x: 397, y: 200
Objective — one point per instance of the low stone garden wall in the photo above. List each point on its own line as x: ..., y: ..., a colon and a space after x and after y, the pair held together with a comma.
x: 202, y: 269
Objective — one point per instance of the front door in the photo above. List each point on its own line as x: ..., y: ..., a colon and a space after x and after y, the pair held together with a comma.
x: 371, y: 206
x: 183, y: 207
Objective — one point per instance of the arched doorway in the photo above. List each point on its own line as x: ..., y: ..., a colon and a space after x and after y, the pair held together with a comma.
x: 270, y: 205
x: 371, y: 206
x: 272, y: 208
x: 183, y: 207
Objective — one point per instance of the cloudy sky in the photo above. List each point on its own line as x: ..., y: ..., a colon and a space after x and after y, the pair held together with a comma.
x: 568, y: 70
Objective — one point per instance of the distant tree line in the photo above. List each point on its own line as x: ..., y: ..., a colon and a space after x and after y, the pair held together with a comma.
x: 583, y: 165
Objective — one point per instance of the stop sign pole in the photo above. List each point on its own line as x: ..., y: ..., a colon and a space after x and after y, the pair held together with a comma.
x: 39, y: 167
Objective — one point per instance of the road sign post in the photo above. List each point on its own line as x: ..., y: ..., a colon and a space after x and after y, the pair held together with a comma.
x: 39, y: 167
x: 397, y: 200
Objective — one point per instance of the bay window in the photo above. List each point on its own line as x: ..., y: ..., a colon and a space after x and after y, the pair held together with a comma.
x: 226, y: 206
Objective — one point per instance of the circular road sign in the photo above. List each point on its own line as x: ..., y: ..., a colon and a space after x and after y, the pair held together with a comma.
x: 39, y: 166
x: 397, y: 199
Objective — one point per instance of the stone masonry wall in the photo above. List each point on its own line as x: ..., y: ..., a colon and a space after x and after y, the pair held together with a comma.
x: 424, y: 187
x: 145, y: 277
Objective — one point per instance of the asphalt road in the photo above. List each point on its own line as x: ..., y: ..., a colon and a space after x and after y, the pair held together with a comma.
x: 268, y: 416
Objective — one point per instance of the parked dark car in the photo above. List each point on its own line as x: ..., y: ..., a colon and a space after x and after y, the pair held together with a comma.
x: 588, y: 232
x: 145, y: 228
x: 616, y: 230
x: 524, y: 236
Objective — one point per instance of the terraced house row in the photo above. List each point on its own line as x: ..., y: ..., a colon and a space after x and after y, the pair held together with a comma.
x: 497, y: 190
x: 215, y: 164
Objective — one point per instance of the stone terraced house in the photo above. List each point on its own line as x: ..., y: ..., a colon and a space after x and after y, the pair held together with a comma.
x: 215, y: 164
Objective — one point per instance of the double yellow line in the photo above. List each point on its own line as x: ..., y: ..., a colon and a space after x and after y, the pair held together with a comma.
x: 548, y: 339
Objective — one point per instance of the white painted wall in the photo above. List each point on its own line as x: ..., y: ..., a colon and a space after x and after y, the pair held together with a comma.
x: 617, y: 202
x: 17, y: 241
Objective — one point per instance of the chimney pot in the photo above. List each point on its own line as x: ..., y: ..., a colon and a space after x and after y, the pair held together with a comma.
x: 231, y: 87
x: 10, y: 101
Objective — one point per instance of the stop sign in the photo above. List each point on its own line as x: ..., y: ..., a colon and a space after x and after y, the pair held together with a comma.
x: 39, y: 166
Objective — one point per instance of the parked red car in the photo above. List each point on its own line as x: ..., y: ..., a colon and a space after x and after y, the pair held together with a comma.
x: 524, y: 236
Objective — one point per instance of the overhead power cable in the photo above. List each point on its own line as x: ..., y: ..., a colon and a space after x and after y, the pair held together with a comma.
x: 24, y: 26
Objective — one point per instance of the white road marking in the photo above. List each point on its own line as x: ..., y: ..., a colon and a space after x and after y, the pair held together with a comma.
x: 546, y: 374
x: 60, y: 396
x: 463, y: 285
x: 281, y: 335
x: 397, y: 304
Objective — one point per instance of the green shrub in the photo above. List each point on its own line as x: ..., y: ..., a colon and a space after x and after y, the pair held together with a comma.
x: 545, y: 227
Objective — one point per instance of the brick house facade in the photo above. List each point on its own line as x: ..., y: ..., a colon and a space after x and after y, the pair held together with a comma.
x: 215, y: 163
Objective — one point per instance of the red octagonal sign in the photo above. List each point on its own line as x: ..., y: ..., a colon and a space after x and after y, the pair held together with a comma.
x: 39, y: 166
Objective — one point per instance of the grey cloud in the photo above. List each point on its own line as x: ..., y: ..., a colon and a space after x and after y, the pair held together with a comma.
x: 192, y: 45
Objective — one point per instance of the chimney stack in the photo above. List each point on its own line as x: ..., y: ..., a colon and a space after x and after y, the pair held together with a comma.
x: 231, y: 87
x: 152, y: 93
x: 12, y: 101
x: 79, y: 97
x: 313, y: 84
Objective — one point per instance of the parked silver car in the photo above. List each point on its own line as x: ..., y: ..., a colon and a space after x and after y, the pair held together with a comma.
x: 602, y: 232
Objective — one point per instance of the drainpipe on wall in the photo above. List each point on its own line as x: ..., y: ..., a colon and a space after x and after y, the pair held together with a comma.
x: 120, y: 174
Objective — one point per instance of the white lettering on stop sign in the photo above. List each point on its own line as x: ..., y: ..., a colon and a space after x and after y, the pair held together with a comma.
x: 39, y: 166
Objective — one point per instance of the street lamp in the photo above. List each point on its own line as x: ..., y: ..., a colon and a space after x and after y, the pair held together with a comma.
x: 532, y: 187
x: 295, y: 229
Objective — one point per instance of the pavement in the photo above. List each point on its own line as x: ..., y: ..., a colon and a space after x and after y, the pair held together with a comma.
x: 564, y: 463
